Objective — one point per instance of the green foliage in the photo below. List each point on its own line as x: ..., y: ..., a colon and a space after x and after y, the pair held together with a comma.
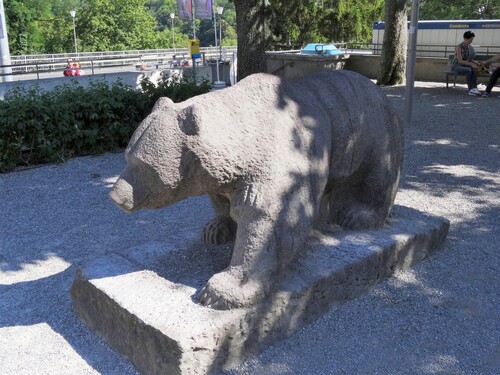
x: 175, y: 87
x: 45, y: 26
x: 44, y: 127
x: 105, y: 25
x: 39, y: 127
x: 39, y: 26
x: 295, y: 23
x: 459, y: 9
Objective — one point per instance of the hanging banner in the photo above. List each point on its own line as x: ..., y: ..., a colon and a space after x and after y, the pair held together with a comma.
x: 184, y: 9
x: 203, y: 9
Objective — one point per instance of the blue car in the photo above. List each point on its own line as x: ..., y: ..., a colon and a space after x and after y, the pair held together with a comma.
x: 320, y: 49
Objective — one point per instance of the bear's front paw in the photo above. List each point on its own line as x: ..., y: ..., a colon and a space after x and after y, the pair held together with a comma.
x: 229, y: 290
x: 360, y: 217
x: 219, y: 230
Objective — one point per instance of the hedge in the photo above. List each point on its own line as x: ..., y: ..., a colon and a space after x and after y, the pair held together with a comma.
x: 39, y: 127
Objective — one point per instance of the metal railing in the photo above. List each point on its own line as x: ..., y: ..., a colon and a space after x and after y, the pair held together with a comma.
x: 90, y: 61
x: 427, y: 50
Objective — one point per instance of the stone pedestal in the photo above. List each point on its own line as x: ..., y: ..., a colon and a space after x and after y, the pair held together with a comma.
x: 143, y: 302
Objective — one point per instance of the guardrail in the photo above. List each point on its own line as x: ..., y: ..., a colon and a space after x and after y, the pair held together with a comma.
x: 90, y: 61
x: 427, y: 50
x: 38, y: 64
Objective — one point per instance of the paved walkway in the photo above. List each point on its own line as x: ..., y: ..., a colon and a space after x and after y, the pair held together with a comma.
x: 441, y: 317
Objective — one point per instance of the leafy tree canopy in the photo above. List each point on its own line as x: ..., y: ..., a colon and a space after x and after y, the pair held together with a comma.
x: 297, y: 22
x: 116, y: 25
x: 45, y: 26
x: 459, y: 9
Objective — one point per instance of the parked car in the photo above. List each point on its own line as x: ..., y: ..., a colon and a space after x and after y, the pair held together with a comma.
x: 320, y: 49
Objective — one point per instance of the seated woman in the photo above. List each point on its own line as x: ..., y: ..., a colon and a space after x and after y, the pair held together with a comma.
x: 174, y: 63
x: 494, y: 75
x: 464, y: 62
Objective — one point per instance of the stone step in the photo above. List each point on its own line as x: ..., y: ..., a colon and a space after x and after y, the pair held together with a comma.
x: 143, y: 302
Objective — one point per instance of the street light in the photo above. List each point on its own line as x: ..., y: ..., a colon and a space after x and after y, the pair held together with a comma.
x: 73, y: 13
x: 219, y: 83
x: 219, y: 11
x: 215, y: 27
x: 172, y: 16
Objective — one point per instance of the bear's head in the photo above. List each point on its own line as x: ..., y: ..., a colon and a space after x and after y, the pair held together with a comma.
x: 161, y: 159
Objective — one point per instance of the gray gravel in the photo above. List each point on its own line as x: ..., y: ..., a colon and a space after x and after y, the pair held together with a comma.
x: 440, y: 317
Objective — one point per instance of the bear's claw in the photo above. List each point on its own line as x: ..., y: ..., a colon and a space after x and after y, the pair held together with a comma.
x: 229, y: 290
x: 360, y: 217
x: 220, y: 230
x: 208, y: 300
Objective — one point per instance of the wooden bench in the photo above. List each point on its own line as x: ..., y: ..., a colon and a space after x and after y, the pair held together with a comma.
x: 453, y: 74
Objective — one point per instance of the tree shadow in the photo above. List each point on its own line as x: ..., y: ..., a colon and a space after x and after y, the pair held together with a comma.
x: 58, y: 218
x: 442, y: 158
x: 66, y: 221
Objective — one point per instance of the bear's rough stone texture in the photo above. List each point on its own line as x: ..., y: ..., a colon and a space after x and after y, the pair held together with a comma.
x: 143, y: 301
x: 278, y: 158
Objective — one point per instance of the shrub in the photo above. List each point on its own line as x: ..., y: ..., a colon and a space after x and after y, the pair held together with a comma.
x: 39, y: 127
x: 42, y: 127
x: 176, y: 87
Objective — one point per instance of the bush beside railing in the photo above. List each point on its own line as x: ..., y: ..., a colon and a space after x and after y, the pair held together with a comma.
x: 39, y: 127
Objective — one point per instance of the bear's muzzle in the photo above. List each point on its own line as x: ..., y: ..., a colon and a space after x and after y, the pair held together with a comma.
x: 122, y: 195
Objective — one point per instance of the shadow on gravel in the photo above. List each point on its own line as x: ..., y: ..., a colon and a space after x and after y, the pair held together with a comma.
x: 451, y: 148
x: 56, y: 220
x: 452, y: 157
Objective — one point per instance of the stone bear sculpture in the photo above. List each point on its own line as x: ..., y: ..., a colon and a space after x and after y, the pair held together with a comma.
x: 277, y: 159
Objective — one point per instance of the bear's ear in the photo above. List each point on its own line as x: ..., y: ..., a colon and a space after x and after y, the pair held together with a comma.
x: 189, y: 120
x: 162, y: 103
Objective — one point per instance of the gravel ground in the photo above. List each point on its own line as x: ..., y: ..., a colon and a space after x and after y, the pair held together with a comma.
x: 440, y: 317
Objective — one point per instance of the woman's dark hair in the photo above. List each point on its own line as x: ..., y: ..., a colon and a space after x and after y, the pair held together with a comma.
x: 469, y: 34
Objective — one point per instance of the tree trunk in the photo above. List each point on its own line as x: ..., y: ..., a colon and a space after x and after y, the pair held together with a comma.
x: 250, y: 20
x: 393, y: 59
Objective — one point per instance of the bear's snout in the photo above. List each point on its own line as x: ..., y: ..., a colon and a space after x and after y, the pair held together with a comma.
x: 122, y: 195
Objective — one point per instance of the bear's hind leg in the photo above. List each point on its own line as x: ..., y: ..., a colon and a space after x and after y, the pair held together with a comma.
x: 222, y: 228
x: 364, y: 200
x: 360, y: 216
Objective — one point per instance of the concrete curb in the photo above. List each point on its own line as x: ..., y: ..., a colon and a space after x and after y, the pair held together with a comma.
x: 158, y: 324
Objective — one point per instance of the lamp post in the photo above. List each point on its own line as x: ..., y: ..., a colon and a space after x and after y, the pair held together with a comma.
x: 220, y: 83
x: 73, y: 13
x: 172, y: 16
x: 215, y: 28
x: 219, y: 11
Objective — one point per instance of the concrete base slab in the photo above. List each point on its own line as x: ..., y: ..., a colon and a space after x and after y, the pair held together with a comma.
x: 143, y: 302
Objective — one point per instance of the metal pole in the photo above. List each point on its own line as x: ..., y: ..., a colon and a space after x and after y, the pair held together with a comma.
x: 410, y: 63
x: 4, y: 47
x: 194, y: 20
x: 215, y: 28
x: 215, y: 34
x: 172, y: 16
x: 74, y: 35
x: 73, y: 13
x: 220, y: 37
x: 220, y: 45
x: 220, y: 83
